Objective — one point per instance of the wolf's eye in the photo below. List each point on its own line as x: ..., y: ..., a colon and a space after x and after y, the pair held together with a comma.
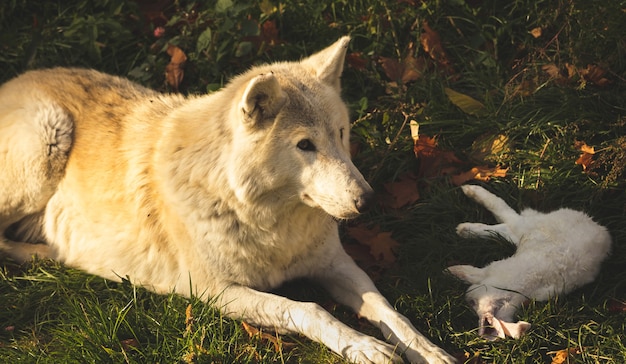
x: 306, y: 145
x: 341, y: 133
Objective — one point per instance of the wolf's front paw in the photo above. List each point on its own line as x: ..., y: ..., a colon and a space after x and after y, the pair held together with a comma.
x: 371, y: 351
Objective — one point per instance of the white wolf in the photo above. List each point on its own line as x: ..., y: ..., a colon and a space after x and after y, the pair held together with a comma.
x: 556, y: 253
x: 236, y: 192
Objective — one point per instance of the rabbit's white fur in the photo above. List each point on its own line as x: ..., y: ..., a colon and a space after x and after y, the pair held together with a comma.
x: 556, y: 253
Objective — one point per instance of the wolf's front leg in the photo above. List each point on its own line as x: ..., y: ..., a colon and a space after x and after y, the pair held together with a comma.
x: 309, y: 319
x: 351, y: 286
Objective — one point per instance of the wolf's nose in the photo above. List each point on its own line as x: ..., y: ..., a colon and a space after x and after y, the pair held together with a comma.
x: 364, y: 202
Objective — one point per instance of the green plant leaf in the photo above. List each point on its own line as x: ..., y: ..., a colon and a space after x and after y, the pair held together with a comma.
x: 467, y: 104
x: 223, y: 5
x: 244, y: 48
x: 204, y: 40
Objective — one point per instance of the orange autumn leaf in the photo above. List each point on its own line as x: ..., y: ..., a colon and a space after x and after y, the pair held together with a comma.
x: 361, y: 255
x: 424, y: 146
x: 583, y: 147
x: 586, y: 158
x: 536, y: 32
x: 382, y: 245
x: 562, y: 356
x: 410, y: 69
x: 431, y: 43
x: 569, y: 73
x: 489, y: 145
x: 402, y: 192
x: 595, y: 75
x: 383, y: 248
x: 266, y: 37
x: 362, y: 233
x: 356, y: 60
x: 552, y: 70
x: 467, y: 358
x: 269, y: 33
x: 433, y: 161
x: 174, y: 71
x: 264, y: 336
x: 561, y: 76
x: 481, y: 173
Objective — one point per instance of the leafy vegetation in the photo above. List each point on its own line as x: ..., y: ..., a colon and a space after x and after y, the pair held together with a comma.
x: 527, y: 97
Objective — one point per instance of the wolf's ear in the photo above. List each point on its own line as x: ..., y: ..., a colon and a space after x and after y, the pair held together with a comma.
x: 467, y: 273
x: 328, y: 63
x: 262, y: 99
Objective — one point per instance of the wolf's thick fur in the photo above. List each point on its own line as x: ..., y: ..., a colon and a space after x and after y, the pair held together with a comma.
x: 235, y: 192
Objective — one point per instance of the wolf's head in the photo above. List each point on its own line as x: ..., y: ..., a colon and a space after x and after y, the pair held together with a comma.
x: 291, y: 136
x: 494, y: 306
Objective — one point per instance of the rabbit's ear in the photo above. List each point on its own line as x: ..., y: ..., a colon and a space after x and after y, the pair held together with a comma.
x: 511, y: 329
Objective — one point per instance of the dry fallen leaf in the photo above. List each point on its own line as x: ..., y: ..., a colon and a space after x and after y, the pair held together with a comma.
x: 586, y: 158
x: 431, y: 43
x: 433, y: 161
x: 188, y: 319
x: 279, y: 345
x: 467, y: 358
x: 267, y: 36
x: 269, y: 33
x: 356, y: 60
x: 410, y: 69
x: 570, y: 73
x: 174, y: 71
x: 552, y: 70
x: 562, y: 356
x: 561, y: 76
x: 129, y: 344
x: 595, y: 75
x: 583, y: 147
x: 402, y: 192
x: 617, y: 306
x: 488, y: 145
x: 424, y: 146
x: 481, y: 173
x: 382, y: 245
x: 536, y: 32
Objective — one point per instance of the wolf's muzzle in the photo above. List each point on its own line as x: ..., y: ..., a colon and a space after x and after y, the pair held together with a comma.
x: 364, y: 201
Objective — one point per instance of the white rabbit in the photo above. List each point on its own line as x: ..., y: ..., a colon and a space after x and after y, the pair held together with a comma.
x: 556, y: 253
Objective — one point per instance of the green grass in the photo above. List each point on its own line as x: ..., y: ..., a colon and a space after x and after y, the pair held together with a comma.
x: 51, y: 314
